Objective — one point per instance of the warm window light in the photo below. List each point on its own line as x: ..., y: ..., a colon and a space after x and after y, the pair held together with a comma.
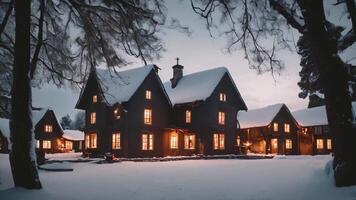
x: 189, y: 141
x: 328, y: 144
x: 219, y: 141
x: 289, y: 144
x: 95, y: 98
x: 275, y: 127
x: 90, y: 141
x: 117, y: 113
x: 174, y: 141
x: 46, y: 144
x: 116, y: 143
x: 319, y: 144
x: 188, y: 116
x: 147, y: 116
x: 222, y: 97
x: 238, y: 141
x: 286, y: 128
x: 148, y: 94
x: 48, y: 128
x: 37, y: 144
x: 274, y: 143
x: 69, y: 145
x: 93, y: 118
x: 147, y: 141
x: 222, y: 118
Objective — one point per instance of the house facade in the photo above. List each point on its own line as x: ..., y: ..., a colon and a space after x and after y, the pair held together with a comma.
x: 130, y: 113
x: 269, y: 130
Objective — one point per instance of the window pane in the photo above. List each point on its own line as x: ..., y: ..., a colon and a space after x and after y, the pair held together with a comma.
x: 329, y: 144
x: 116, y: 143
x: 93, y: 118
x: 288, y: 144
x: 222, y: 118
x: 319, y: 144
x: 46, y: 144
x: 150, y: 147
x: 148, y: 94
x: 187, y: 116
x: 275, y: 127
x: 147, y: 116
x: 189, y: 141
x: 174, y: 141
x: 95, y: 98
x: 144, y: 141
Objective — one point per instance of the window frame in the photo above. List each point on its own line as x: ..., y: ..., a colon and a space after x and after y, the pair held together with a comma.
x: 319, y: 144
x: 221, y: 118
x: 147, y: 142
x: 48, y: 128
x: 275, y: 126
x: 91, y: 141
x: 286, y: 127
x: 329, y: 144
x: 116, y: 141
x: 219, y: 141
x: 188, y: 116
x: 147, y: 116
x: 174, y: 140
x: 46, y: 144
x: 222, y: 96
x: 92, y: 118
x: 94, y: 98
x: 148, y: 94
x: 189, y: 141
x: 289, y: 144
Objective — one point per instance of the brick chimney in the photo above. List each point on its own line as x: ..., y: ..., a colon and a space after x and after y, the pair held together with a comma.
x: 177, y: 74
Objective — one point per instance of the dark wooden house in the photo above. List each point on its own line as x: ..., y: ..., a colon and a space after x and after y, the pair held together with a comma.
x: 270, y: 129
x: 203, y: 119
x: 4, y: 135
x: 126, y: 112
x: 48, y: 132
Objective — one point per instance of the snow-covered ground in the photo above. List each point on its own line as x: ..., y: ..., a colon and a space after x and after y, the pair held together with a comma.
x: 284, y: 177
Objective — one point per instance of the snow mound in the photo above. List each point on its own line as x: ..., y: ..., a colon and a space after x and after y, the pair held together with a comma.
x: 258, y: 117
x: 74, y: 135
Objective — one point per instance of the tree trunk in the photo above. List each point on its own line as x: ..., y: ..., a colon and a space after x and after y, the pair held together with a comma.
x: 22, y: 155
x: 334, y: 78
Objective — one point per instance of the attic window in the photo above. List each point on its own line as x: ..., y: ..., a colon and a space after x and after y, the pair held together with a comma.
x: 117, y: 113
x: 95, y: 98
x: 286, y: 128
x: 93, y: 118
x: 223, y: 97
x: 275, y: 127
x: 48, y: 128
x: 188, y: 116
x: 148, y: 94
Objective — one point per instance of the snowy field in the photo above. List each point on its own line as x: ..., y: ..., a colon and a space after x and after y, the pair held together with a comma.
x: 289, y: 177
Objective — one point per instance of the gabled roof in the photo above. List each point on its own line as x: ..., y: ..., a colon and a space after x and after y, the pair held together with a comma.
x: 37, y: 115
x: 314, y: 116
x: 5, y: 128
x: 74, y: 135
x: 259, y: 117
x: 197, y: 86
x: 121, y: 86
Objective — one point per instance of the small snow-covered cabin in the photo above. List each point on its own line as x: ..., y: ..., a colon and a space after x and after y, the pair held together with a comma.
x: 271, y: 129
x: 4, y: 135
x: 203, y: 120
x: 73, y: 140
x: 126, y: 112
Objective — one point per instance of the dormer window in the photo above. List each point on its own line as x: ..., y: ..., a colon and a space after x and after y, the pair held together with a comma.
x: 222, y: 97
x: 148, y: 94
x: 222, y: 118
x: 117, y: 114
x: 93, y: 118
x: 48, y: 128
x: 95, y: 98
x: 188, y: 116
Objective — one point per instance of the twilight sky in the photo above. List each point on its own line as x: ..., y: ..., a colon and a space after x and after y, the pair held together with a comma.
x: 200, y: 52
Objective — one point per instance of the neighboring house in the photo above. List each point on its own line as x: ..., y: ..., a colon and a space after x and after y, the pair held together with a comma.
x: 4, y: 136
x: 271, y: 129
x: 126, y: 112
x: 48, y: 131
x: 315, y: 124
x: 73, y: 140
x: 203, y: 120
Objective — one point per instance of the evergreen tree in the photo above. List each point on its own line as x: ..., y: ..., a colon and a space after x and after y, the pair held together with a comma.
x: 66, y: 122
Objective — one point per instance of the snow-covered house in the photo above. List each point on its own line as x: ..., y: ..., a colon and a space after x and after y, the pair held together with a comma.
x: 73, y: 140
x: 203, y: 120
x: 126, y: 112
x: 271, y: 129
x: 4, y: 135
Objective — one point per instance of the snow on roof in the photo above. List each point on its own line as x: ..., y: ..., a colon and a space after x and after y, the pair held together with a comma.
x: 37, y: 115
x: 120, y: 86
x: 5, y: 128
x: 314, y: 116
x: 74, y: 135
x: 258, y: 117
x: 196, y: 86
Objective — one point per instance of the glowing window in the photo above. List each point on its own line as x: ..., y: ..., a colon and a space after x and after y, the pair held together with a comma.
x: 46, y: 144
x: 289, y: 144
x: 87, y: 141
x: 37, y: 144
x: 69, y: 145
x: 174, y: 141
x: 238, y: 141
x: 275, y: 127
x: 319, y: 144
x: 117, y: 113
x: 48, y: 128
x: 219, y: 141
x: 222, y: 118
x: 222, y: 97
x: 93, y: 118
x: 286, y: 128
x: 329, y: 144
x: 91, y: 141
x: 188, y: 116
x: 95, y: 98
x: 189, y: 141
x: 147, y: 141
x: 116, y: 143
x: 148, y: 94
x: 274, y: 143
x: 147, y: 116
